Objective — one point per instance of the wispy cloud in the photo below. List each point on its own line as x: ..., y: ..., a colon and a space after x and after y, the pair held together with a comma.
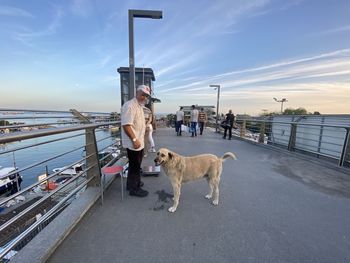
x: 13, y: 11
x: 337, y: 30
x: 82, y: 8
x: 322, y: 66
x: 51, y: 29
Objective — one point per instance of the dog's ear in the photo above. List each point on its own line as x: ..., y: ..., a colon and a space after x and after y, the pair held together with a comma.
x: 171, y: 155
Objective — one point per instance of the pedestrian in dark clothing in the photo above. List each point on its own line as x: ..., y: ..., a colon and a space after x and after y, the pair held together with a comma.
x: 229, y: 119
x: 202, y: 119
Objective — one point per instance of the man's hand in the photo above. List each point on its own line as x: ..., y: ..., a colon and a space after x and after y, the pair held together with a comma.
x: 137, y: 144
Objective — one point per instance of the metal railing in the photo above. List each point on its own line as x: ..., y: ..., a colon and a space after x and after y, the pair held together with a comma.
x: 331, y: 141
x: 42, y: 206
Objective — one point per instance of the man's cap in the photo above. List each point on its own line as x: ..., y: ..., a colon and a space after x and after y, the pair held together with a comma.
x: 145, y: 89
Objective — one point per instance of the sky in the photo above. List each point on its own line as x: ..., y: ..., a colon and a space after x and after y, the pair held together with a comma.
x: 59, y: 55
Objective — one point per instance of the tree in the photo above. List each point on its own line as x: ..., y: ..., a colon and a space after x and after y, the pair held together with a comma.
x: 298, y: 111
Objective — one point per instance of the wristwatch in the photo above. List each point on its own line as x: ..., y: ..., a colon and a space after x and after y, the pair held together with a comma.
x: 134, y: 140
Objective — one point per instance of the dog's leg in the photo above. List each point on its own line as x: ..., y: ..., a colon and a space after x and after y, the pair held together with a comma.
x: 176, y: 189
x: 211, y: 187
x: 216, y: 192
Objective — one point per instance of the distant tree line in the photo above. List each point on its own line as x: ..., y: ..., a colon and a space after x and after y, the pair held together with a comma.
x: 291, y: 111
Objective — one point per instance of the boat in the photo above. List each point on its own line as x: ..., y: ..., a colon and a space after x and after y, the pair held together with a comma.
x: 72, y: 170
x: 9, y: 184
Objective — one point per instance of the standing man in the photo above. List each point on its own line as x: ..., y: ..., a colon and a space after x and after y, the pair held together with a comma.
x: 194, y: 120
x: 179, y: 120
x: 202, y: 118
x: 133, y: 133
x: 230, y: 118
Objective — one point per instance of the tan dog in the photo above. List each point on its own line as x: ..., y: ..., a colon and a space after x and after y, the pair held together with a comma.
x: 182, y: 169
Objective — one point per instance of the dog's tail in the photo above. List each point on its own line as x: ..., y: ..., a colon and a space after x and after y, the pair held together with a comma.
x: 228, y: 155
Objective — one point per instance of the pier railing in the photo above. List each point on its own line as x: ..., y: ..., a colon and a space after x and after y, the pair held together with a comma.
x: 322, y: 140
x: 22, y: 220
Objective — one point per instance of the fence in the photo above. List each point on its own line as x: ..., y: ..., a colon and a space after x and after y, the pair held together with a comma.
x: 22, y: 221
x: 321, y: 139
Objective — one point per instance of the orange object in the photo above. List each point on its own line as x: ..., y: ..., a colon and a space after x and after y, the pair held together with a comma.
x: 51, y: 186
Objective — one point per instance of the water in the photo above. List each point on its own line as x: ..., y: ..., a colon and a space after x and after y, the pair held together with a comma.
x: 39, y: 153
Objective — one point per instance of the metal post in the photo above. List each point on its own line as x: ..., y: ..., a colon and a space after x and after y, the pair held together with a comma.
x: 243, y: 127
x: 132, y: 91
x: 143, y: 14
x: 282, y: 107
x: 346, y: 149
x: 292, y: 137
x: 217, y: 107
x: 262, y: 132
x: 92, y: 160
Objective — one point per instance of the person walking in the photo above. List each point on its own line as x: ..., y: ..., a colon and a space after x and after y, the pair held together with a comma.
x: 202, y: 119
x: 194, y: 120
x: 132, y: 134
x: 179, y: 120
x: 229, y: 119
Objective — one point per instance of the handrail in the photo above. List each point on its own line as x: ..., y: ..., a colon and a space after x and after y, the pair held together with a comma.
x: 40, y: 182
x: 29, y: 208
x: 48, y: 111
x: 298, y: 123
x: 40, y: 133
x: 15, y: 241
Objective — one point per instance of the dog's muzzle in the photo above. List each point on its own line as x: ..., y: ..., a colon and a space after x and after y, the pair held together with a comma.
x: 157, y: 162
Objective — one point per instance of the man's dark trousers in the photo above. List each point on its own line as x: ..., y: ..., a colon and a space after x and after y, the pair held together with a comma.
x: 229, y: 128
x: 134, y: 170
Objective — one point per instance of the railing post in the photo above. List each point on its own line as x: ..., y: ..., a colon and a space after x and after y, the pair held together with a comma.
x: 262, y: 132
x: 243, y: 126
x: 292, y: 138
x: 346, y: 149
x: 92, y: 160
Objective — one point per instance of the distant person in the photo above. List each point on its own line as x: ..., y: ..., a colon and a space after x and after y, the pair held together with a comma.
x: 179, y: 120
x: 149, y: 131
x: 229, y: 120
x: 194, y: 120
x: 202, y: 119
x: 133, y: 133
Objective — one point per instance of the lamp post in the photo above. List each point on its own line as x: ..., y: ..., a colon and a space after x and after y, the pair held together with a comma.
x: 143, y: 14
x: 281, y: 101
x: 217, y: 106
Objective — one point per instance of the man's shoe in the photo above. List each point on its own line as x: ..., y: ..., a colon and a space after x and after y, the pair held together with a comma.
x: 138, y: 192
x: 140, y: 185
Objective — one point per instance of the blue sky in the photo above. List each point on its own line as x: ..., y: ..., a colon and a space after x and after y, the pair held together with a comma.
x: 64, y: 54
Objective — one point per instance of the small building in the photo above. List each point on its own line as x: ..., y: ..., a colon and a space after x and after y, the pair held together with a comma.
x: 142, y: 76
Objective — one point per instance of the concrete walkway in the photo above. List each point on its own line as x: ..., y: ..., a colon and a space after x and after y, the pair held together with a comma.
x: 273, y: 207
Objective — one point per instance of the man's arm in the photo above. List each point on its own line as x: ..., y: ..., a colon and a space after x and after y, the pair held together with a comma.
x: 131, y: 135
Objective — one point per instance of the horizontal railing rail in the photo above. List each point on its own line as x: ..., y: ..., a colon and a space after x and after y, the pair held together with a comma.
x: 330, y: 140
x: 89, y: 176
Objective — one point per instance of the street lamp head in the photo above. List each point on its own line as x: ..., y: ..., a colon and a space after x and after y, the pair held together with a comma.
x: 146, y: 13
x: 214, y: 86
x: 275, y: 99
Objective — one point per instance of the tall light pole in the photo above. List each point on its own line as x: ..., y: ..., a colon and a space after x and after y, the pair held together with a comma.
x: 281, y: 101
x: 217, y: 105
x: 143, y: 14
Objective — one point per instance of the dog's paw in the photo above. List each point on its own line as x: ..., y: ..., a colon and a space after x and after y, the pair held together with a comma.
x: 215, y: 202
x: 208, y: 196
x: 172, y: 209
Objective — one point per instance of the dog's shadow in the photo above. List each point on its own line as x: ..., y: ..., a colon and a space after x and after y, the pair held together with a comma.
x: 163, y: 198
